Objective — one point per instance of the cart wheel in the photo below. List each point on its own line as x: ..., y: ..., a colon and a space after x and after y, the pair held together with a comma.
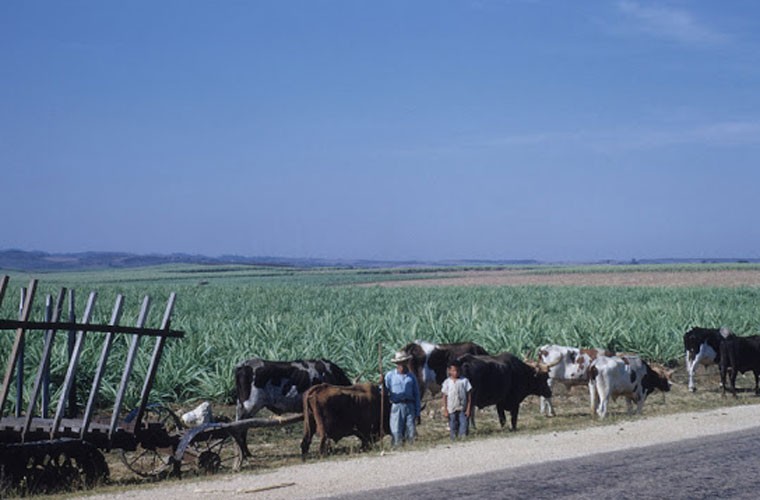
x: 153, y: 461
x: 51, y: 466
x: 208, y: 450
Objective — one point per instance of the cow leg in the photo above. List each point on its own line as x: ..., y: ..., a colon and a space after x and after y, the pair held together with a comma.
x: 545, y: 404
x: 640, y: 404
x: 305, y: 444
x: 691, y: 366
x: 308, y: 432
x: 592, y: 396
x: 323, y: 445
x: 629, y: 405
x: 604, y: 396
x: 502, y: 416
x: 513, y: 414
x: 723, y: 370
x: 734, y: 372
x: 602, y: 410
x: 241, y: 441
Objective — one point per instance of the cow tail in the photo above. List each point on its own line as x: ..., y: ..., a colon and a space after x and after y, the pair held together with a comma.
x: 308, y: 413
x: 592, y: 372
x: 309, y: 424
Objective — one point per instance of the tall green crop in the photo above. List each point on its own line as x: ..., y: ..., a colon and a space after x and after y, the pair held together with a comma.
x: 228, y: 321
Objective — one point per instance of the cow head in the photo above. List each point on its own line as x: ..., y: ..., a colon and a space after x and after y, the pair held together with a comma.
x: 249, y: 398
x: 539, y: 383
x: 657, y: 377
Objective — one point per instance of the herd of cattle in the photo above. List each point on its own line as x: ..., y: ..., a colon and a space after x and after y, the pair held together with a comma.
x: 334, y: 407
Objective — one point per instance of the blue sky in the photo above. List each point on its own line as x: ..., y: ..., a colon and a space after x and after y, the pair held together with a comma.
x: 489, y: 129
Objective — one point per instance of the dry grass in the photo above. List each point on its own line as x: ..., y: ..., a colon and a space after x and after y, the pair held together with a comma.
x: 514, y: 277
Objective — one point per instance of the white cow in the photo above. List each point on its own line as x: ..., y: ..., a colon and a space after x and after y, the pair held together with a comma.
x: 628, y: 376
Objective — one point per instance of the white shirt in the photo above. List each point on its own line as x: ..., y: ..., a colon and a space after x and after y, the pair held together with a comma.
x: 456, y: 393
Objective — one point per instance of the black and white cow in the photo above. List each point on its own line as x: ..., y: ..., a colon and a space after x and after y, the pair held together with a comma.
x: 702, y: 348
x: 279, y: 385
x: 628, y: 376
x: 504, y: 381
x: 430, y: 361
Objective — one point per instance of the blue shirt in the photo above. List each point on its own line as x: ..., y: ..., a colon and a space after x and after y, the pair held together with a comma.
x: 403, y: 388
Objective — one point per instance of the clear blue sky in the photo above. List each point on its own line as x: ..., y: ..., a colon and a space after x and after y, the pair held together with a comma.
x: 489, y: 129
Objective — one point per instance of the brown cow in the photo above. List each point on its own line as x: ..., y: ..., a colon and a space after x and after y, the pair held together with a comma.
x: 334, y: 412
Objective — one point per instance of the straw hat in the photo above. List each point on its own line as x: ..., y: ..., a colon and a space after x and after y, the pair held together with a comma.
x: 401, y: 357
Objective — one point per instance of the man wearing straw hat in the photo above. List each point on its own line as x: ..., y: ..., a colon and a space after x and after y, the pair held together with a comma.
x: 404, y: 394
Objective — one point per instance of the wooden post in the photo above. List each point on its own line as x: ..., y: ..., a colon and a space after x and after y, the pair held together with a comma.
x: 382, y: 389
x: 20, y: 362
x: 153, y: 367
x: 68, y: 381
x: 141, y: 318
x: 45, y: 405
x: 3, y: 286
x: 44, y: 367
x: 115, y: 317
x: 71, y: 404
x: 13, y: 357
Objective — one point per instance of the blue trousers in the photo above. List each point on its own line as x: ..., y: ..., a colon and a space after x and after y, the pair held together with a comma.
x: 402, y: 423
x: 457, y: 424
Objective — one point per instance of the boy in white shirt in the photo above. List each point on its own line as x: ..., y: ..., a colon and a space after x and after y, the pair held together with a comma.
x: 457, y: 400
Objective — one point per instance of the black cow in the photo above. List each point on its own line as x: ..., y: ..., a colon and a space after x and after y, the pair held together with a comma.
x: 740, y: 354
x: 702, y: 348
x: 430, y: 361
x: 504, y: 381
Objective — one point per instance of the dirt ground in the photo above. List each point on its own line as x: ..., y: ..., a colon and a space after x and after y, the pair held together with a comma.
x: 355, y: 473
x: 514, y: 277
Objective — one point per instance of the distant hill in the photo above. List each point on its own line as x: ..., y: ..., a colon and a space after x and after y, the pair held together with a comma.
x: 21, y: 260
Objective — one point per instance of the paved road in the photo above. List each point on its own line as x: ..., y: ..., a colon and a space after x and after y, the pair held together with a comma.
x: 721, y: 466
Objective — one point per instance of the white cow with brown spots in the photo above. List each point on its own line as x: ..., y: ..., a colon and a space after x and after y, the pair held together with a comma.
x: 568, y: 366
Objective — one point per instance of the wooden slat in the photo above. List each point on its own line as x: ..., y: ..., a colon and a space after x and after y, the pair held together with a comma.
x: 6, y: 324
x: 20, y: 361
x: 128, y: 364
x: 71, y: 371
x: 71, y: 340
x: 154, y: 361
x: 13, y: 357
x: 115, y: 318
x: 3, y: 286
x: 45, y: 403
x: 44, y: 364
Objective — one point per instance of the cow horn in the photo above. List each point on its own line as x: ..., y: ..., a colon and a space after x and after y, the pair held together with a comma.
x: 359, y: 377
x: 549, y: 366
